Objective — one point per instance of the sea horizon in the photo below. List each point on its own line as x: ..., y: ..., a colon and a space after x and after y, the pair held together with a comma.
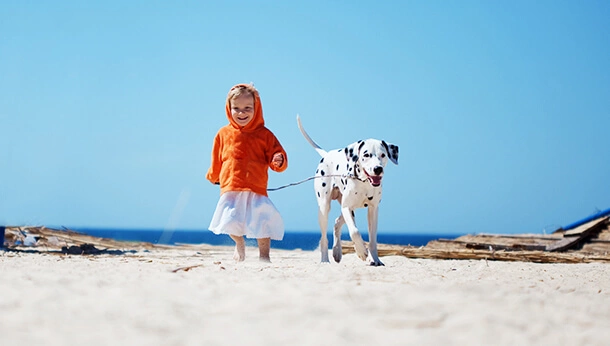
x: 293, y: 239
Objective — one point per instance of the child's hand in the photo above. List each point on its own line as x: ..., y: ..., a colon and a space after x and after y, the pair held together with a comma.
x: 278, y: 160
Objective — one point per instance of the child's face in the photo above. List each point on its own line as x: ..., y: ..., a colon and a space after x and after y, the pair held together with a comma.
x: 242, y: 109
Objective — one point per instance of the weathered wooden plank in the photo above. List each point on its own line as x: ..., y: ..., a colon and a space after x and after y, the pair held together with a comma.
x: 571, y: 239
x: 495, y: 246
x: 521, y: 236
x: 511, y: 247
x: 584, y: 228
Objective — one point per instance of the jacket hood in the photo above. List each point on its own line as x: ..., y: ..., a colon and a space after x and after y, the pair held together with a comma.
x: 257, y: 120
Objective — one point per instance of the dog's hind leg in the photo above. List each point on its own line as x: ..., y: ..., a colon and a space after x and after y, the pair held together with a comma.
x: 337, y: 251
x: 354, y: 233
x: 323, y: 212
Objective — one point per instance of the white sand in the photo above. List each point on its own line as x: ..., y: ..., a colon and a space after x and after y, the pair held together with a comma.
x: 137, y: 299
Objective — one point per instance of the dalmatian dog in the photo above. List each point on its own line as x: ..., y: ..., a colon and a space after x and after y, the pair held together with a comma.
x: 353, y: 176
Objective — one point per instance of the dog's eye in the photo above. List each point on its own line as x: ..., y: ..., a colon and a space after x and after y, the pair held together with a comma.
x: 382, y: 156
x: 367, y: 155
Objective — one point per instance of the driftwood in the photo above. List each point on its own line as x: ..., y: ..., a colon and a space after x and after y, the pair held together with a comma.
x: 572, y: 237
x: 68, y: 242
x: 502, y: 255
x: 186, y: 268
x: 587, y: 243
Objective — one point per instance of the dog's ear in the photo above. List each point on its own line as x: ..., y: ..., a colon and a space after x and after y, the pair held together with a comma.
x: 392, y: 151
x: 352, y: 150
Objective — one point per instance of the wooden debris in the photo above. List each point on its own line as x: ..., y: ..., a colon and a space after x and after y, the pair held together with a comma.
x: 572, y: 237
x: 186, y: 268
x: 69, y: 242
x: 587, y: 243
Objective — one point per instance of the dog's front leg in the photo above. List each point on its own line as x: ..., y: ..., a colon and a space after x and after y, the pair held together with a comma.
x: 354, y: 233
x: 373, y: 258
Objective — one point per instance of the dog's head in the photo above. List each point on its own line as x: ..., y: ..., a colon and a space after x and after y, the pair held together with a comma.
x: 366, y: 159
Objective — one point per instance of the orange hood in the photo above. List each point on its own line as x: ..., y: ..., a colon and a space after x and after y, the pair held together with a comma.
x: 257, y: 120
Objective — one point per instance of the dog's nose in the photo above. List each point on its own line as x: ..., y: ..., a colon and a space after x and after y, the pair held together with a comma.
x: 378, y: 170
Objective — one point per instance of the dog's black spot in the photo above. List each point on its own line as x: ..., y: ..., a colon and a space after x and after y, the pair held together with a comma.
x: 351, y: 152
x: 370, y: 198
x: 322, y: 172
x: 337, y: 166
x: 323, y: 184
x: 353, y: 214
x: 317, y: 171
x: 321, y: 161
x: 361, y: 144
x: 318, y: 194
x: 345, y: 150
x: 385, y: 145
x: 355, y: 158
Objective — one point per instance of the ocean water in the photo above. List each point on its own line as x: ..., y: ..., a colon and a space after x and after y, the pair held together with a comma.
x: 304, y: 240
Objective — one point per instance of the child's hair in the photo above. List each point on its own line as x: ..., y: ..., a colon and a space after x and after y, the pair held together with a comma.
x: 241, y: 89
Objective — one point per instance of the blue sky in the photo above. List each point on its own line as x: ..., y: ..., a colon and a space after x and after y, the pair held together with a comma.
x: 501, y: 109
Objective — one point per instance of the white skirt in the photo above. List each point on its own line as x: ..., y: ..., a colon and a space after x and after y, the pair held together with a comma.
x: 247, y: 213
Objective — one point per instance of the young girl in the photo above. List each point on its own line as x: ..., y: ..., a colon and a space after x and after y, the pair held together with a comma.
x: 242, y: 153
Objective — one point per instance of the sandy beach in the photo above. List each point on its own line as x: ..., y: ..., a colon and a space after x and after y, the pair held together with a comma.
x: 198, y: 295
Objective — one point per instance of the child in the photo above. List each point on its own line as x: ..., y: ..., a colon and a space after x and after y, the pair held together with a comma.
x: 243, y: 151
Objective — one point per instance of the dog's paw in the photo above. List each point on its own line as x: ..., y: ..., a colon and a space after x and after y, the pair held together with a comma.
x: 361, y: 255
x: 324, y: 259
x: 374, y: 261
x: 361, y: 251
x: 377, y: 263
x: 337, y: 253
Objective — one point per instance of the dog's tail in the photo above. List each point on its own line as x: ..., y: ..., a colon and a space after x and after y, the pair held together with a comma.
x: 320, y: 151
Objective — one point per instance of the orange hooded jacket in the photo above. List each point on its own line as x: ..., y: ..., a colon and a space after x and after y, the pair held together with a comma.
x: 241, y: 156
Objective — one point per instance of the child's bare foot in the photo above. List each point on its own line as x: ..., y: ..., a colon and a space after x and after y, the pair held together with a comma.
x: 239, y: 254
x: 264, y: 259
x: 263, y: 249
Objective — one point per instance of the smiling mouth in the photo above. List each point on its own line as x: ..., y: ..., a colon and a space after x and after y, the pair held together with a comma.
x: 375, y: 180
